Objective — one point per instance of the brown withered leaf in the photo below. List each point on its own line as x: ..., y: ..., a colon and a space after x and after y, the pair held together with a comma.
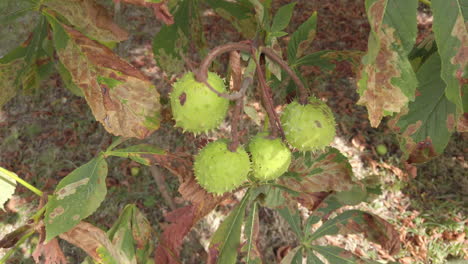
x: 120, y: 96
x: 182, y: 219
x: 90, y: 238
x: 313, y: 178
x: 375, y: 229
x: 161, y: 11
x: 51, y: 253
x: 90, y: 18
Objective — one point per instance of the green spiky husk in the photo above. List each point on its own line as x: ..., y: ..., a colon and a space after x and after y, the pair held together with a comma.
x: 270, y: 157
x: 308, y: 127
x: 218, y: 170
x: 200, y: 109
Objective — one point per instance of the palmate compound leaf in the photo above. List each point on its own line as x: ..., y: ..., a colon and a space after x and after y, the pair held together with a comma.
x: 120, y: 96
x: 387, y: 81
x: 76, y: 197
x: 338, y: 255
x: 90, y: 18
x: 424, y: 129
x: 450, y: 32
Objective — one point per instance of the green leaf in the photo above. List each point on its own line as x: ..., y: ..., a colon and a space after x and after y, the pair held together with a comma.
x: 40, y: 32
x: 387, y: 81
x: 251, y: 230
x: 336, y: 255
x: 425, y: 128
x: 282, y: 17
x: 67, y: 79
x: 173, y: 39
x: 327, y: 206
x: 452, y: 40
x: 238, y: 13
x: 302, y: 38
x: 7, y: 186
x: 294, y: 256
x: 76, y: 197
x: 312, y: 258
x: 137, y: 153
x: 11, y: 17
x: 293, y: 219
x: 225, y: 242
x: 8, y: 77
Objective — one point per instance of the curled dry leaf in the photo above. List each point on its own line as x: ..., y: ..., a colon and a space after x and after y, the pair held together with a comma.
x: 120, y: 96
x: 182, y: 219
x: 51, y: 253
x: 90, y: 18
x: 90, y: 239
x: 315, y: 179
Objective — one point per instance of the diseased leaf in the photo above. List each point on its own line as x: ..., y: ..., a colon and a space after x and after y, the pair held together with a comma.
x: 424, y: 129
x: 172, y: 40
x: 373, y: 227
x: 324, y: 208
x: 130, y: 106
x: 225, y: 242
x: 182, y: 219
x: 387, y: 81
x: 310, y: 176
x: 95, y: 243
x: 450, y: 31
x: 51, y: 252
x: 68, y: 80
x: 251, y: 231
x: 338, y: 255
x: 76, y: 197
x: 7, y: 186
x: 8, y: 75
x: 302, y: 38
x: 132, y: 234
x: 137, y: 153
x: 282, y: 17
x: 90, y: 18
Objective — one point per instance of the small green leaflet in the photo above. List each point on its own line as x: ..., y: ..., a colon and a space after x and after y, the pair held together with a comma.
x: 293, y: 218
x: 312, y: 258
x: 7, y: 186
x: 251, y: 233
x: 225, y: 242
x: 282, y: 17
x: 294, y: 256
x: 77, y: 196
x: 137, y: 153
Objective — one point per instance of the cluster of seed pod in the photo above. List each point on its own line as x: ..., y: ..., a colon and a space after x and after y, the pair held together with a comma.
x: 218, y: 169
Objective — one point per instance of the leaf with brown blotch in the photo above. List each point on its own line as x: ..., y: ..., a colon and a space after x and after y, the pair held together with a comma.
x: 120, y: 96
x: 387, y: 81
x: 373, y: 227
x: 90, y: 18
x: 313, y: 178
x: 93, y: 240
x: 51, y: 252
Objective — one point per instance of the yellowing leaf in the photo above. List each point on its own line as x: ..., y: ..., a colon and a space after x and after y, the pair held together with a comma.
x: 120, y: 96
x: 90, y: 18
x: 7, y: 80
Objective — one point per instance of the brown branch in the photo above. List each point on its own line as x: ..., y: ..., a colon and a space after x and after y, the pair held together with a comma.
x: 303, y: 94
x: 161, y: 183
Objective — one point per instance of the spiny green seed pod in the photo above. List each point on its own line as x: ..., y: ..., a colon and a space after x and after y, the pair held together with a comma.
x: 270, y: 157
x: 308, y: 127
x: 195, y: 107
x: 218, y: 170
